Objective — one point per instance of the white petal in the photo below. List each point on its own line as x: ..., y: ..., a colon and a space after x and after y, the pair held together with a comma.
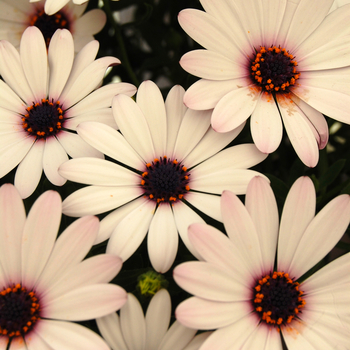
x: 266, y: 124
x: 69, y: 336
x: 133, y: 324
x: 61, y: 57
x: 29, y: 171
x: 54, y: 156
x: 35, y: 342
x: 91, y: 22
x: 151, y: 103
x: 39, y: 235
x: 177, y: 337
x: 131, y: 231
x: 85, y: 303
x: 34, y: 61
x: 100, y: 199
x: 133, y: 126
x: 52, y: 6
x: 162, y: 239
x: 234, y: 108
x: 100, y: 172
x: 9, y: 99
x: 207, y: 203
x: 197, y: 341
x: 12, y: 220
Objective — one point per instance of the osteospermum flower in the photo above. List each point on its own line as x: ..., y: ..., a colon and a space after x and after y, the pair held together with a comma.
x: 17, y: 15
x: 44, y: 283
x: 53, y: 6
x: 44, y: 96
x: 171, y: 159
x: 134, y: 331
x: 276, y: 61
x: 254, y: 300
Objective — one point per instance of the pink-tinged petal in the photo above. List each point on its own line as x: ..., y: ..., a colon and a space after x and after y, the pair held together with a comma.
x: 91, y: 22
x: 9, y: 99
x: 133, y: 324
x: 151, y: 103
x: 266, y: 124
x: 83, y: 59
x: 111, y: 221
x: 131, y: 231
x: 177, y: 337
x: 85, y: 303
x: 210, y: 33
x: 12, y: 72
x: 14, y: 152
x: 87, y: 81
x: 34, y: 61
x: 206, y: 314
x: 234, y: 108
x: 298, y: 211
x: 97, y: 269
x: 157, y: 319
x: 327, y: 47
x: 175, y: 110
x: 323, y: 100
x: 61, y: 57
x: 333, y: 274
x: 307, y: 17
x: 197, y: 341
x: 100, y: 199
x: 205, y: 94
x: 16, y: 344
x: 29, y: 171
x: 162, y: 239
x: 262, y: 207
x: 110, y: 329
x: 321, y: 235
x: 42, y: 226
x: 207, y: 203
x: 317, y: 120
x: 211, y: 65
x: 70, y: 248
x: 69, y: 336
x: 52, y: 6
x: 54, y: 156
x: 299, y: 130
x: 100, y: 98
x: 184, y: 216
x: 242, y: 232
x: 12, y: 220
x: 211, y: 143
x: 35, y: 342
x: 75, y: 146
x: 193, y: 127
x: 216, y: 248
x: 100, y: 172
x: 110, y: 142
x: 133, y: 126
x: 210, y: 281
x: 233, y: 336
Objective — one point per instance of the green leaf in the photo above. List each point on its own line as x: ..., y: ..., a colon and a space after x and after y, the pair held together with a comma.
x: 331, y: 173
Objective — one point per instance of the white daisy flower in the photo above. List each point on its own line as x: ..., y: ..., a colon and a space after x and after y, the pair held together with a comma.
x: 171, y: 159
x: 17, y: 15
x: 44, y: 96
x: 44, y: 283
x: 275, y: 61
x: 53, y: 6
x: 255, y: 301
x: 134, y: 331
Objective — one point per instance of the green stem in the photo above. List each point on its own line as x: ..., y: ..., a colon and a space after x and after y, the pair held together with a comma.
x: 119, y: 38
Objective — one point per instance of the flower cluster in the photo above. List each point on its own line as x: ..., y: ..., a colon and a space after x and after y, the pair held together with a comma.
x: 105, y: 162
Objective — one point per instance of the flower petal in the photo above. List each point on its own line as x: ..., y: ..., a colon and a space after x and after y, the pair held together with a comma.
x: 207, y: 203
x: 177, y: 337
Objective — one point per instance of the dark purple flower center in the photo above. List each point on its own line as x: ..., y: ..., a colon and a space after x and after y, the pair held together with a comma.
x: 49, y: 24
x: 165, y: 180
x: 43, y: 119
x: 19, y: 311
x: 277, y: 299
x: 274, y: 69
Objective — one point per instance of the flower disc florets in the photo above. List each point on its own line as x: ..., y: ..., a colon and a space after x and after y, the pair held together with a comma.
x: 274, y: 69
x: 43, y: 119
x: 49, y: 24
x: 19, y: 311
x: 165, y: 180
x: 277, y: 299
